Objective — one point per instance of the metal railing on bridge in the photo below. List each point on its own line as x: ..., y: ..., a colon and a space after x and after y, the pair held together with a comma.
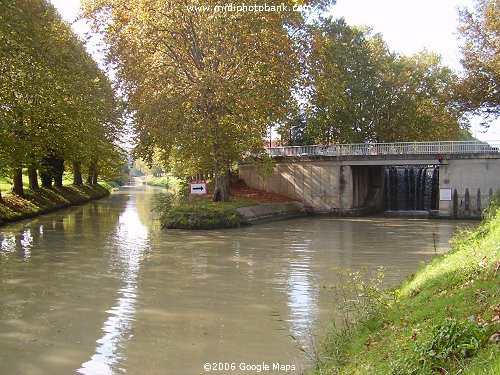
x: 399, y: 148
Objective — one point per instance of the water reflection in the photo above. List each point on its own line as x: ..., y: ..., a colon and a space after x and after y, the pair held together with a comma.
x: 302, y: 291
x: 132, y: 241
x: 8, y: 244
x: 81, y: 291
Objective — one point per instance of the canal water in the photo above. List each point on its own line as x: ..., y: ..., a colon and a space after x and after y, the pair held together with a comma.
x: 101, y: 289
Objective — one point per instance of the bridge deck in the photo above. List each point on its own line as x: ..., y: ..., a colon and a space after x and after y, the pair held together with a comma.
x: 399, y: 148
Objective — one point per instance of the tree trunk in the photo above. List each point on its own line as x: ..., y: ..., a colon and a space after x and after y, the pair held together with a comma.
x: 77, y: 173
x: 92, y: 172
x: 1, y: 199
x: 221, y: 190
x: 94, y: 177
x: 58, y: 180
x: 46, y: 172
x: 58, y: 171
x: 33, y: 178
x: 17, y: 178
x: 46, y: 178
x: 89, y: 179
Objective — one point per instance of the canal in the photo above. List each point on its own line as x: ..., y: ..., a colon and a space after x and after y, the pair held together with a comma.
x: 101, y: 289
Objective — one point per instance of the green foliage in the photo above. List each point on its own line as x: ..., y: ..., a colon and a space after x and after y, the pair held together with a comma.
x: 162, y: 203
x: 183, y: 188
x: 204, y: 86
x: 479, y: 90
x: 169, y: 182
x: 359, y: 298
x: 294, y: 131
x: 358, y: 294
x: 36, y: 203
x: 6, y: 182
x: 263, y: 164
x: 360, y: 91
x: 202, y: 218
x: 493, y: 203
x: 176, y: 213
x: 199, y: 217
x: 450, y: 341
x: 56, y: 102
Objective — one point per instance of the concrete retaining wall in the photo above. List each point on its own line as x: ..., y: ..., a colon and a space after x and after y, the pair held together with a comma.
x: 272, y: 211
x: 472, y: 180
x: 325, y: 186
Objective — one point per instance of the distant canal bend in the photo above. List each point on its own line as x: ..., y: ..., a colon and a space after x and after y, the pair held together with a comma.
x: 100, y: 289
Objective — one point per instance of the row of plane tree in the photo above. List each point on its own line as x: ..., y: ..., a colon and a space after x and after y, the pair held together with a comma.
x: 58, y: 108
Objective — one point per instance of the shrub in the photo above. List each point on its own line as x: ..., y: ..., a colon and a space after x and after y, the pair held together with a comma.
x: 451, y: 341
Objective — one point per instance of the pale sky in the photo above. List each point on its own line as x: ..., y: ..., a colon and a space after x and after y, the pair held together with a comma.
x: 408, y: 26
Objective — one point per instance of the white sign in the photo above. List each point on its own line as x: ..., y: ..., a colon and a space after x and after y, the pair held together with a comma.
x: 445, y: 194
x: 199, y: 188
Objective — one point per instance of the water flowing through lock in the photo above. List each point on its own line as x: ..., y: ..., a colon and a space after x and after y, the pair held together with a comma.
x: 411, y: 188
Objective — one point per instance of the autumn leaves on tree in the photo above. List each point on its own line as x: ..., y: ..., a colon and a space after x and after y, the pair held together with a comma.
x: 203, y: 87
x: 361, y: 91
x: 479, y: 90
x: 57, y: 106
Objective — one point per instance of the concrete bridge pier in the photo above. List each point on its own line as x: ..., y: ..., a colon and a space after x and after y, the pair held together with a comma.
x: 471, y: 181
x: 361, y: 189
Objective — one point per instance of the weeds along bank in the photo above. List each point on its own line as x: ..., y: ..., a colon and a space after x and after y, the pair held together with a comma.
x: 442, y: 320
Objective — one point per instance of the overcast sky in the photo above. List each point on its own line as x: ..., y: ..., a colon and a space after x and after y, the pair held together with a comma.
x: 408, y: 26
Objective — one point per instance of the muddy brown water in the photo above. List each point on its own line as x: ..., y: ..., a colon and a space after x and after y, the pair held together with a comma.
x: 101, y: 289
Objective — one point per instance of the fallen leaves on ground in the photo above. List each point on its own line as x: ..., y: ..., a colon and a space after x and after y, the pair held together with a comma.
x: 257, y: 195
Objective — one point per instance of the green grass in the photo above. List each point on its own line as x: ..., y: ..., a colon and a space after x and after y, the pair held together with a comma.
x: 35, y: 203
x: 6, y: 184
x: 196, y: 214
x: 438, y: 321
x: 169, y: 182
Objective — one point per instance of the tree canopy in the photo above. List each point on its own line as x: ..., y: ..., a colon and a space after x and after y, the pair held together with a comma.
x: 361, y: 91
x: 56, y: 104
x: 203, y: 85
x: 479, y: 91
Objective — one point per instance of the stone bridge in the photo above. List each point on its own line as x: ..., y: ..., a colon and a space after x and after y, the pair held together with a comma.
x: 364, y: 178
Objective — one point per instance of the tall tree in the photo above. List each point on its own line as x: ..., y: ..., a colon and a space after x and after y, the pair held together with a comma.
x: 345, y: 72
x: 204, y: 84
x: 361, y: 91
x: 479, y: 91
x: 56, y: 103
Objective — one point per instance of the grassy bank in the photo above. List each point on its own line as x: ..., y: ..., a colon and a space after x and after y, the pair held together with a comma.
x: 168, y: 182
x: 175, y: 213
x: 35, y: 203
x: 442, y: 320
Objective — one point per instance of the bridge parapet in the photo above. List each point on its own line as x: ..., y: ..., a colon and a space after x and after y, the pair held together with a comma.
x: 397, y: 148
